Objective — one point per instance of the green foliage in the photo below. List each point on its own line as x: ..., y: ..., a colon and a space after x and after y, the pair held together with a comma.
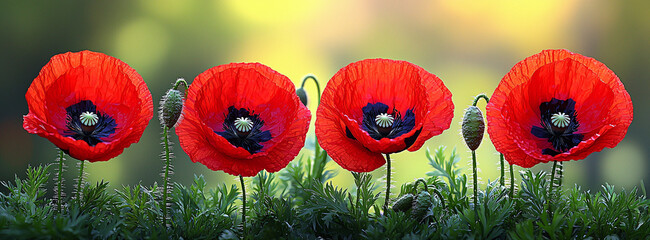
x: 455, y: 190
x: 300, y: 203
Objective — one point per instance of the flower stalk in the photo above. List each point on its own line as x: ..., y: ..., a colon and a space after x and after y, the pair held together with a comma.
x: 59, y: 182
x: 550, y: 186
x: 166, y: 175
x: 80, y: 179
x: 475, y: 184
x: 473, y: 128
x: 243, y: 206
x: 302, y: 95
x: 171, y: 106
x: 388, y: 173
x: 512, y: 181
x: 502, y: 180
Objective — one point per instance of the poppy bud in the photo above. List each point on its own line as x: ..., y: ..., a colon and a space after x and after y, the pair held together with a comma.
x: 302, y: 95
x: 421, y: 205
x: 473, y: 127
x: 171, y: 107
x: 404, y: 203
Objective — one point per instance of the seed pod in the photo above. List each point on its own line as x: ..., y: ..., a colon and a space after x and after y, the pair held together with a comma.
x: 404, y: 203
x: 473, y: 127
x: 421, y: 205
x: 171, y: 107
x: 302, y: 95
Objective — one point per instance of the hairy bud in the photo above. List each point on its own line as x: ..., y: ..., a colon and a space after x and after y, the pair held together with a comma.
x: 171, y: 107
x: 404, y: 203
x: 473, y: 127
x: 421, y: 206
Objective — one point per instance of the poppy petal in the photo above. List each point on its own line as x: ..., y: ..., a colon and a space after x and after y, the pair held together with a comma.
x: 357, y: 95
x: 249, y: 88
x: 348, y: 153
x: 110, y: 84
x: 602, y: 106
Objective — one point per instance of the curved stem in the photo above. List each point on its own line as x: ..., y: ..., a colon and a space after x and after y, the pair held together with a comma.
x: 59, y: 182
x: 439, y: 197
x: 387, y: 202
x: 80, y: 180
x: 482, y: 95
x: 179, y: 82
x: 304, y: 80
x: 503, y: 173
x: 243, y: 207
x: 475, y: 184
x: 166, y: 176
x: 426, y: 188
x: 317, y: 148
x: 512, y: 181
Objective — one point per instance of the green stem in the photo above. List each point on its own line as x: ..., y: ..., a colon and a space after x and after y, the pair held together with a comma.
x: 243, y: 208
x: 560, y: 174
x: 550, y: 187
x: 358, y: 203
x: 304, y: 80
x: 317, y: 148
x: 512, y: 181
x: 166, y: 176
x: 482, y: 95
x: 424, y: 183
x: 387, y: 202
x: 442, y: 200
x: 80, y: 180
x: 475, y: 184
x: 503, y: 172
x: 59, y: 180
x: 179, y: 82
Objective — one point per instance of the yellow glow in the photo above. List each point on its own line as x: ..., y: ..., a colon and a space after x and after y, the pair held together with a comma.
x: 272, y: 13
x: 143, y: 44
x: 521, y: 25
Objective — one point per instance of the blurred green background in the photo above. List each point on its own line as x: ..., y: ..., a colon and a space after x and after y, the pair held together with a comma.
x: 469, y: 45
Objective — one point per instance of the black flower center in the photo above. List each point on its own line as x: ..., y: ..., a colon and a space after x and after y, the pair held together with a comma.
x: 242, y: 129
x: 378, y: 123
x: 84, y: 122
x: 559, y: 124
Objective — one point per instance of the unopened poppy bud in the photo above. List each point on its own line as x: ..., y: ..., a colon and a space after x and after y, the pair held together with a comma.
x: 404, y: 203
x: 473, y: 127
x: 171, y: 107
x: 302, y: 95
x: 421, y: 205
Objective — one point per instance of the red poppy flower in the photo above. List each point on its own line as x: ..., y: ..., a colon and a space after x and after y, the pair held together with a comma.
x: 242, y: 118
x: 88, y: 104
x: 377, y: 106
x: 557, y: 106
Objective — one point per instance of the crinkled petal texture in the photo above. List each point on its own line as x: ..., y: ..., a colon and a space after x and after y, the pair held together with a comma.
x: 603, y: 107
x: 400, y: 85
x: 116, y: 89
x: 250, y: 86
